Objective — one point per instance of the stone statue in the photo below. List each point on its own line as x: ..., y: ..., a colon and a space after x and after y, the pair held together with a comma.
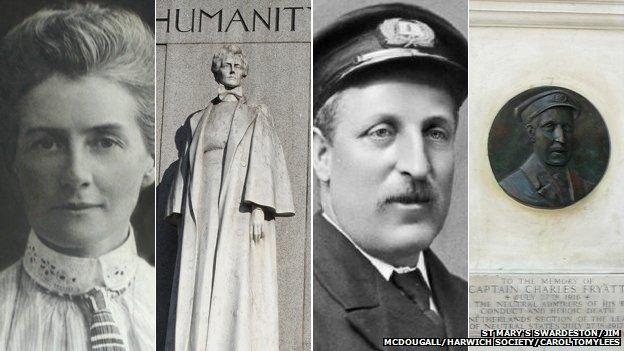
x: 231, y: 185
x: 546, y: 179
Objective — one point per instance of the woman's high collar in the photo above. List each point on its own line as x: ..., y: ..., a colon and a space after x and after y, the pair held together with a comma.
x: 70, y: 275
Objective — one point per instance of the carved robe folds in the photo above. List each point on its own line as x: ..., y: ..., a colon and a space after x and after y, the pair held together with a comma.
x: 227, y: 284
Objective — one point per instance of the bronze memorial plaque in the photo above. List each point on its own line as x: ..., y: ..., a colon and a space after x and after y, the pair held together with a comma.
x: 548, y: 147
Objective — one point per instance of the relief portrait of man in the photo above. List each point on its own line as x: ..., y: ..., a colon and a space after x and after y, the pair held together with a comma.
x: 548, y: 120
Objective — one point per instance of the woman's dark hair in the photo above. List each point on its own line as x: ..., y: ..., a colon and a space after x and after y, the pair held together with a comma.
x: 75, y: 42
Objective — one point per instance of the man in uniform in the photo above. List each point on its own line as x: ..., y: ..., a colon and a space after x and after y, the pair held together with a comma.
x: 388, y: 83
x: 545, y: 180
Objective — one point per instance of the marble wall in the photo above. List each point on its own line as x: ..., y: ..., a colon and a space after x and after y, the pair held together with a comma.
x: 523, y: 260
x: 515, y: 46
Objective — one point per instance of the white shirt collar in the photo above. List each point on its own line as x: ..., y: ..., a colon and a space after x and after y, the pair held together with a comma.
x: 70, y: 275
x: 385, y: 268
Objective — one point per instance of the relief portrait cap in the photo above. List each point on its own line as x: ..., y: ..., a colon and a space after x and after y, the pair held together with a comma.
x: 538, y: 103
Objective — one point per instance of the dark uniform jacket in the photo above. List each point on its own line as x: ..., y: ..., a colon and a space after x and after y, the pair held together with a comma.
x: 533, y: 185
x: 355, y: 307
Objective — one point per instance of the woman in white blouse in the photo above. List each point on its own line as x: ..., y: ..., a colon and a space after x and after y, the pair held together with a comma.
x: 76, y: 92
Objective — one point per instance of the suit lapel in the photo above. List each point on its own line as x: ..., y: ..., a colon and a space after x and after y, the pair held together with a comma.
x: 580, y: 186
x: 542, y: 182
x: 374, y: 307
x: 341, y: 269
x: 449, y: 295
x: 395, y: 316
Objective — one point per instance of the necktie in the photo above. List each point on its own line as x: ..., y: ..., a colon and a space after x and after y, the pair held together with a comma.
x: 414, y: 287
x: 104, y: 334
x: 563, y: 186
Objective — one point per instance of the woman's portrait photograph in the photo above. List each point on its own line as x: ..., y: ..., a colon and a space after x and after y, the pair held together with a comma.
x: 77, y: 176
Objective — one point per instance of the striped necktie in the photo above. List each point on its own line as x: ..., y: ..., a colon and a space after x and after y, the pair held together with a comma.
x: 104, y: 334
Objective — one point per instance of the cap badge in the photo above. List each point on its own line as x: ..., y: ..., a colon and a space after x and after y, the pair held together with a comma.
x: 559, y: 97
x: 406, y: 33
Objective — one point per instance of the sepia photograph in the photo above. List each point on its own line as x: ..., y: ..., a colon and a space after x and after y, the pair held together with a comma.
x: 77, y: 125
x: 389, y: 159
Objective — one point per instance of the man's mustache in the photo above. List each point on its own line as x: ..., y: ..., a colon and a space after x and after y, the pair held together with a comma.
x: 417, y: 192
x: 557, y: 148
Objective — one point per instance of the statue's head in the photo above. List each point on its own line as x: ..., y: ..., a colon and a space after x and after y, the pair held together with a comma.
x: 229, y: 66
x: 549, y: 121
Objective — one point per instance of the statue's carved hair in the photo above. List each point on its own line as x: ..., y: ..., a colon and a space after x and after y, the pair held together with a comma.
x: 78, y: 41
x: 226, y: 50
